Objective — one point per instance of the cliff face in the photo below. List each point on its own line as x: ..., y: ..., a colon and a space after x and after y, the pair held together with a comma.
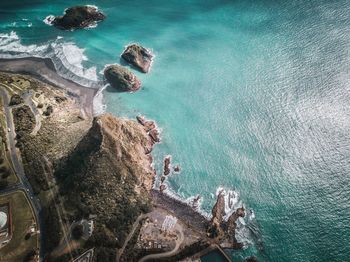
x: 99, y: 167
x: 224, y: 230
x: 109, y: 174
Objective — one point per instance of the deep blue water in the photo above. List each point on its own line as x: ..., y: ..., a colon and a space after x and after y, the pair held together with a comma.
x: 252, y: 96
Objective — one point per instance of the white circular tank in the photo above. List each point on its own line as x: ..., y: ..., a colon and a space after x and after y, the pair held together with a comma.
x: 3, y: 219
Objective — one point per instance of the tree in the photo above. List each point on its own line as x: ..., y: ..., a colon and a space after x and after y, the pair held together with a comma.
x: 30, y: 256
x: 77, y: 232
x: 27, y: 236
x: 6, y: 174
x: 3, y: 183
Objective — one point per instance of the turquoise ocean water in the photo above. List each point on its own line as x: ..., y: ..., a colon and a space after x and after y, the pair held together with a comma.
x: 251, y: 96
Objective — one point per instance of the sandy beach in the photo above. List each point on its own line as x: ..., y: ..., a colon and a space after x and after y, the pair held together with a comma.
x: 44, y: 70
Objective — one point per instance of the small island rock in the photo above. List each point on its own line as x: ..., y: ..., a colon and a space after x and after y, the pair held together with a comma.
x: 121, y: 78
x: 78, y: 17
x: 138, y: 56
x: 177, y: 169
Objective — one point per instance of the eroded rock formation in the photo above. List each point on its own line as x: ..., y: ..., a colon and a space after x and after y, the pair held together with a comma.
x: 78, y: 17
x: 138, y: 56
x: 121, y: 78
x: 166, y: 167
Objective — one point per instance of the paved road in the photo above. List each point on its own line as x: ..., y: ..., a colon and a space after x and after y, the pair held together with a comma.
x: 17, y: 165
x: 169, y: 253
x: 44, y: 70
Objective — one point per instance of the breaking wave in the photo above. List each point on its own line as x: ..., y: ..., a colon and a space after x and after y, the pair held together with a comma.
x: 66, y: 56
x: 247, y: 231
x: 99, y: 106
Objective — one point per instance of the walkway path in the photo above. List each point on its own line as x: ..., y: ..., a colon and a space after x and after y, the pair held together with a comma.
x: 29, y: 102
x: 169, y: 253
x: 44, y: 70
x: 132, y: 232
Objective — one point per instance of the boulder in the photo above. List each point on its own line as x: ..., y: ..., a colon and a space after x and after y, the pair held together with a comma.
x: 121, y: 78
x: 177, y: 169
x: 162, y: 179
x: 138, y: 56
x: 166, y: 167
x: 162, y: 188
x: 78, y: 17
x: 154, y: 134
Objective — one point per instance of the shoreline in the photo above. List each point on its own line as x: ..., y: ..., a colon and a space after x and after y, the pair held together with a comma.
x: 44, y: 70
x: 183, y: 210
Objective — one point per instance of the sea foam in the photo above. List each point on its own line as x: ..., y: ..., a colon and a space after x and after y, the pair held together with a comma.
x: 66, y: 56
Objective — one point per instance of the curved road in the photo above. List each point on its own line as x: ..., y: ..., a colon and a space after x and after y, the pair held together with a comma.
x: 169, y: 253
x: 16, y: 163
x: 29, y: 102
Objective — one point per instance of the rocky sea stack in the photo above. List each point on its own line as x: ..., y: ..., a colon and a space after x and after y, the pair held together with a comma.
x: 138, y: 56
x: 122, y: 79
x: 78, y: 17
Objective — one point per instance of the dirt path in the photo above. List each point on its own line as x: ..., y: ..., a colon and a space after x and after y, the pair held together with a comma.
x: 132, y: 232
x: 29, y: 102
x: 44, y: 70
x: 169, y: 253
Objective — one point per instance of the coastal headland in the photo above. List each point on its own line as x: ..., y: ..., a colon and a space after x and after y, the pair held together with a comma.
x: 91, y: 178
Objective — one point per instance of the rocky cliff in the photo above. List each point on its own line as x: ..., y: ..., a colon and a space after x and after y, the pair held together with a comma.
x: 97, y: 169
x: 108, y: 176
x: 78, y: 17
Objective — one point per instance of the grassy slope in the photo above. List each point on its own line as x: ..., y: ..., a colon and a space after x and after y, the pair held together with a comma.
x: 22, y: 219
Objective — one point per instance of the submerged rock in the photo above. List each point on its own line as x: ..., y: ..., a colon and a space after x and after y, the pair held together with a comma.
x: 138, y: 56
x: 162, y: 188
x: 78, y: 17
x: 177, y: 169
x: 121, y: 78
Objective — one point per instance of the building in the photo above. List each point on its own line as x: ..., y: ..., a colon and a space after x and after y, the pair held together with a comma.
x: 5, y: 224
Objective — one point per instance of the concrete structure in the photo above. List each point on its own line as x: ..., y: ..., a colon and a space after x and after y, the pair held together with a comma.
x: 5, y: 224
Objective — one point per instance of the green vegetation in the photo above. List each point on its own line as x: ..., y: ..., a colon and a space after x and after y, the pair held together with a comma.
x: 13, y: 83
x: 22, y: 218
x: 7, y: 175
x: 131, y: 253
x: 76, y: 171
x: 77, y: 232
x: 53, y: 233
